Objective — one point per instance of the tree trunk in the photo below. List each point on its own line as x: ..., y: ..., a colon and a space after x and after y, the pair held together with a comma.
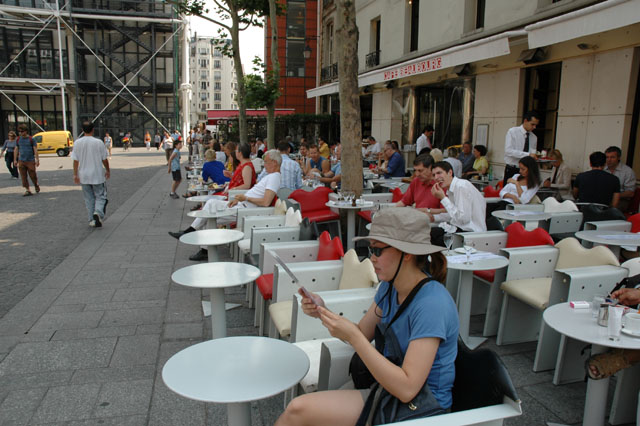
x: 350, y: 129
x: 274, y: 79
x: 237, y: 63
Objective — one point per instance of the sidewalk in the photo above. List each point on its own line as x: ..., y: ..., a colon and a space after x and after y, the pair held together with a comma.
x: 88, y: 344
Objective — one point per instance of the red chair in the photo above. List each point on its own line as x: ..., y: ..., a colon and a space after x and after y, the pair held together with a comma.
x: 635, y: 222
x: 517, y: 236
x: 397, y: 196
x: 313, y: 206
x: 490, y: 192
x: 499, y: 185
x: 634, y: 205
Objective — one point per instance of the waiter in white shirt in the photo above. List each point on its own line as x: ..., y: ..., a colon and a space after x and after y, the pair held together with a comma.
x: 424, y: 141
x: 520, y: 142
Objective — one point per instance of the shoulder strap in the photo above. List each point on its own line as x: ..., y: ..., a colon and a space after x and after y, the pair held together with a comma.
x: 408, y: 300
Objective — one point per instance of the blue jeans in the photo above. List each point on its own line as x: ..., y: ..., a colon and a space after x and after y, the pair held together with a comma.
x: 95, y: 198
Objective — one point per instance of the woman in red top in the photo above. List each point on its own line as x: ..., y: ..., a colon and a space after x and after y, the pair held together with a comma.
x: 244, y: 176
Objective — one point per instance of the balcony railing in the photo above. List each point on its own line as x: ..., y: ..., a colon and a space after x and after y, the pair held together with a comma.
x: 329, y: 73
x: 373, y: 59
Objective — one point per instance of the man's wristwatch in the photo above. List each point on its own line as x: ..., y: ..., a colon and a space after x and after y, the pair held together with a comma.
x: 429, y: 211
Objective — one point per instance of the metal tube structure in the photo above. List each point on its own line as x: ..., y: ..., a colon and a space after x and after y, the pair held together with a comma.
x: 61, y: 64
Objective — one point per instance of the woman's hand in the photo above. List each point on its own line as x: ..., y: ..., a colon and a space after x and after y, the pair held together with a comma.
x: 308, y: 306
x: 226, y: 173
x: 338, y: 326
x: 513, y: 181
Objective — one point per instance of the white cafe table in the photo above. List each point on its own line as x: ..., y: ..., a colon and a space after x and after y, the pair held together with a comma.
x: 215, y: 277
x: 212, y: 216
x: 205, y: 198
x: 580, y: 325
x: 351, y: 216
x: 212, y: 238
x: 610, y: 238
x: 522, y: 216
x: 480, y: 261
x: 235, y: 371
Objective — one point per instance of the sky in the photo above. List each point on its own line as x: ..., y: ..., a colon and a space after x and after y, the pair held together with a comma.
x: 251, y: 39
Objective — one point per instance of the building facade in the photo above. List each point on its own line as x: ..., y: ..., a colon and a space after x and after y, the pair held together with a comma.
x: 472, y: 68
x: 213, y: 79
x: 120, y: 66
x: 297, y: 47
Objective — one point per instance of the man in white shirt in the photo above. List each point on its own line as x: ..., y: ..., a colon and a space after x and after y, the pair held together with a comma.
x: 520, y: 142
x: 424, y: 140
x: 456, y: 164
x: 464, y: 204
x: 91, y: 170
x: 373, y: 148
x: 261, y: 195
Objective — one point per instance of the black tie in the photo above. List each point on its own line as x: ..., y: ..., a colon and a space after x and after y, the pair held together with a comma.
x: 555, y: 174
x: 526, y: 142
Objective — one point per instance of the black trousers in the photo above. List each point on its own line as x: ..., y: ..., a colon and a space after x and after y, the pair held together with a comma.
x: 509, y: 171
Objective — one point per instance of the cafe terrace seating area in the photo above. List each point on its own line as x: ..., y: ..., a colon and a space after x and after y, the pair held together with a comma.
x: 544, y: 255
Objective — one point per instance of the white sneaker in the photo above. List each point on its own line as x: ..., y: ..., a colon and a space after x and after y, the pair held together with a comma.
x: 92, y: 223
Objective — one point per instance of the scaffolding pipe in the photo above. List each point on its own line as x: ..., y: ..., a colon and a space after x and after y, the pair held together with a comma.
x: 185, y: 86
x: 61, y: 64
x: 47, y: 12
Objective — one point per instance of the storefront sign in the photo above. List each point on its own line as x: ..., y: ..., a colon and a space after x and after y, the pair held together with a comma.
x: 417, y: 68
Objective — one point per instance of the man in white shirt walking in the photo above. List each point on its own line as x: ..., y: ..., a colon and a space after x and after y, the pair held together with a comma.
x: 520, y: 142
x: 91, y: 170
x: 424, y: 140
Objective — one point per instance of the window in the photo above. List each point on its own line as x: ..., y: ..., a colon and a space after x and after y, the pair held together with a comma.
x: 480, y: 8
x: 217, y: 97
x: 217, y: 106
x: 542, y: 85
x: 328, y: 39
x: 217, y: 75
x: 204, y: 85
x: 204, y: 96
x: 296, y: 11
x: 204, y: 75
x: 295, y: 58
x: 217, y: 53
x: 217, y: 86
x: 203, y: 63
x: 415, y: 25
x: 234, y: 106
x: 295, y: 19
x: 217, y: 64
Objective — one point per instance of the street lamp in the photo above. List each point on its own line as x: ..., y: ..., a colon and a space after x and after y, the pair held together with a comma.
x: 307, y: 52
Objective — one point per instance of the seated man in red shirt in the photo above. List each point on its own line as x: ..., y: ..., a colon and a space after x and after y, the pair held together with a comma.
x: 419, y: 193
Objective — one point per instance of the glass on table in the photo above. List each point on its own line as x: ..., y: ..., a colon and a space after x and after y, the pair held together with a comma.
x: 467, y: 251
x: 598, y: 300
x: 448, y: 240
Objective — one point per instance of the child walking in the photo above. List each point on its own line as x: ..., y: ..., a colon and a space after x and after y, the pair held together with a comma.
x: 174, y: 169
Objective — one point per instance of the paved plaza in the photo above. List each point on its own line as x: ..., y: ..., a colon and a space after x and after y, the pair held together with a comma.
x: 89, y: 316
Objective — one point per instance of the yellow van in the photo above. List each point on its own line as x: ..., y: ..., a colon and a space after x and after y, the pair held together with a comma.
x: 58, y: 141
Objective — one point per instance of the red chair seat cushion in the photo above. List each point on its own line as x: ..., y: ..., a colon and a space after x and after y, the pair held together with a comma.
x: 517, y: 236
x: 311, y: 200
x: 366, y: 214
x: 635, y: 222
x: 490, y: 191
x: 320, y: 215
x: 488, y: 275
x: 397, y: 195
x: 329, y: 249
x: 265, y: 285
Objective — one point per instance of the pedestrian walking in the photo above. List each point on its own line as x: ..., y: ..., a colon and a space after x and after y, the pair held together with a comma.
x: 91, y: 170
x: 8, y: 148
x: 174, y: 169
x: 167, y: 145
x: 147, y: 140
x: 25, y: 156
x: 108, y: 143
x: 156, y: 141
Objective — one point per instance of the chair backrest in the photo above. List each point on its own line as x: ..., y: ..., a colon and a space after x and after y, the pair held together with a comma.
x: 551, y: 205
x: 635, y: 222
x: 329, y: 249
x: 563, y: 223
x: 253, y: 222
x: 520, y: 237
x: 381, y: 197
x: 535, y: 200
x: 397, y: 195
x: 283, y: 193
x: 593, y: 213
x: 490, y: 191
x: 311, y: 201
x: 500, y: 185
x: 481, y: 380
x: 633, y: 265
x: 573, y: 255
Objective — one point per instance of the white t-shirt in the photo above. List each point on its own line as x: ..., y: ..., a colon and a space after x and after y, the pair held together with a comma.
x: 89, y: 152
x: 270, y: 181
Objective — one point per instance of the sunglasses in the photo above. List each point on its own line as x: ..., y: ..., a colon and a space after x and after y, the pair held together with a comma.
x: 377, y: 251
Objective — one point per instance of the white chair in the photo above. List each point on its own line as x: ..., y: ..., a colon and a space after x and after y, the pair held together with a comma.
x: 633, y: 266
x: 551, y: 205
x: 562, y: 223
x: 525, y: 298
x: 608, y: 225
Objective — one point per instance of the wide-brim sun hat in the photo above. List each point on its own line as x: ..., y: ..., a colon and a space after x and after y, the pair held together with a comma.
x: 404, y: 228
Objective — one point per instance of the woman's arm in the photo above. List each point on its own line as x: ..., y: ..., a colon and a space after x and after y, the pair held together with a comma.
x: 246, y: 178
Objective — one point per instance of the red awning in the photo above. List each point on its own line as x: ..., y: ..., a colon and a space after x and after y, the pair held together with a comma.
x: 213, y: 115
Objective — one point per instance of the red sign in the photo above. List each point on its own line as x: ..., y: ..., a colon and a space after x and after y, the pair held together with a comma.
x: 417, y: 68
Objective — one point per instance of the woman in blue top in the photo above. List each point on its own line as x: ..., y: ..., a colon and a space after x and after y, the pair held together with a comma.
x: 426, y: 331
x: 213, y: 170
x: 174, y: 168
x: 9, y: 146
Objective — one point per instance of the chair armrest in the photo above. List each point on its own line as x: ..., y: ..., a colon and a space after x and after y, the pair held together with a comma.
x: 234, y: 192
x: 563, y: 223
x: 351, y: 304
x: 608, y: 225
x: 585, y: 282
x: 530, y: 207
x: 253, y: 222
x: 289, y: 252
x: 251, y: 211
x: 530, y: 262
x: 314, y: 276
x: 378, y: 198
x: 491, y: 241
x: 260, y: 236
x: 335, y: 356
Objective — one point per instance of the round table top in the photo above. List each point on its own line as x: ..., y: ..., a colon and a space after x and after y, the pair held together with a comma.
x: 520, y: 215
x: 346, y: 205
x: 205, y: 198
x: 212, y: 237
x: 479, y: 263
x: 235, y: 369
x: 612, y: 238
x: 580, y: 325
x: 206, y: 214
x: 215, y: 275
x: 384, y: 180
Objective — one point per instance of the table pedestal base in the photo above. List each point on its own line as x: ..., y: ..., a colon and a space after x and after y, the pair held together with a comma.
x: 465, y: 288
x: 212, y: 254
x: 218, y: 313
x: 351, y: 228
x: 206, y: 307
x: 239, y: 414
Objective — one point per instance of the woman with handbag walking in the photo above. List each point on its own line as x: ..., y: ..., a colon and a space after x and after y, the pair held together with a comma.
x: 410, y: 371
